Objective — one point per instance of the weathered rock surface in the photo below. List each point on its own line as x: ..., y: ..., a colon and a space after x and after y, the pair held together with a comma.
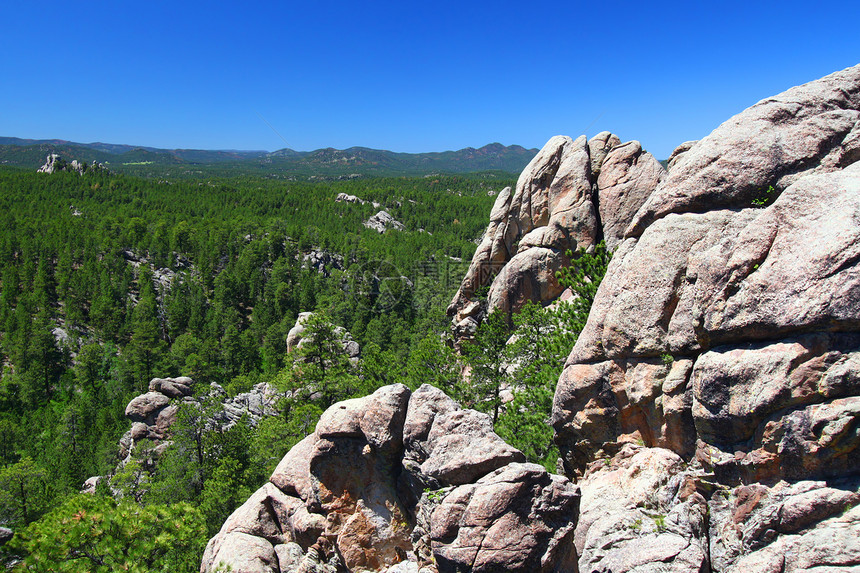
x: 296, y: 336
x: 54, y: 164
x: 711, y: 406
x: 808, y: 129
x: 402, y: 482
x: 727, y: 280
x: 573, y: 194
x: 383, y: 221
x: 628, y: 176
x: 152, y: 414
x: 646, y: 510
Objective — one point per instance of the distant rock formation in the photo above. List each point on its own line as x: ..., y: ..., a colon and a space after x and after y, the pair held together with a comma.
x: 346, y: 198
x: 152, y: 414
x: 402, y: 482
x: 6, y: 535
x: 322, y: 261
x: 383, y: 221
x: 711, y: 406
x: 573, y: 194
x: 296, y: 336
x: 54, y: 163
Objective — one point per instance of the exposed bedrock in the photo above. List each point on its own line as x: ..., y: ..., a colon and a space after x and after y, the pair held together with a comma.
x: 812, y: 128
x: 710, y: 409
x: 728, y: 327
x: 573, y: 194
x: 402, y: 482
x: 645, y: 509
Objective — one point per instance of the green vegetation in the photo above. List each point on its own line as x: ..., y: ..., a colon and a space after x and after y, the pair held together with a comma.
x: 203, y: 164
x: 94, y: 533
x: 764, y: 197
x: 107, y: 281
x: 531, y: 364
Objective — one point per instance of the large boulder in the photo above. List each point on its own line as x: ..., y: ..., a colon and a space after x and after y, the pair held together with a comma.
x: 368, y: 491
x: 145, y: 408
x: 172, y: 387
x: 518, y: 518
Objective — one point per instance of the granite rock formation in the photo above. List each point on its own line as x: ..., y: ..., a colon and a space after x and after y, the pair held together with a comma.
x: 572, y: 195
x: 54, y: 164
x: 383, y: 221
x: 710, y: 409
x: 153, y: 413
x: 402, y: 482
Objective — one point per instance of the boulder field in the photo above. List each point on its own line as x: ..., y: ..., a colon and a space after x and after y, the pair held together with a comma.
x: 708, y: 417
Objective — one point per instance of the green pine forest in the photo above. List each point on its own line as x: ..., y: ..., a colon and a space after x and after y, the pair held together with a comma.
x: 108, y: 280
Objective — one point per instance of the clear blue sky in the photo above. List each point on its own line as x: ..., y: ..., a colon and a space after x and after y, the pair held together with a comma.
x: 405, y: 76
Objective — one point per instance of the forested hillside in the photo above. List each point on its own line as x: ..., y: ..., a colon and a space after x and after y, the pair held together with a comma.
x: 110, y: 280
x: 328, y: 162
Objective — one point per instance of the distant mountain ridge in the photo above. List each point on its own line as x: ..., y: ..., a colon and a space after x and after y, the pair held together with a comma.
x: 31, y: 153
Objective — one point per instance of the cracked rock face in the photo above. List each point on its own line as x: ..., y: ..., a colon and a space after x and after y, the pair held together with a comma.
x: 402, y: 482
x: 722, y: 352
x: 645, y: 509
x: 573, y: 194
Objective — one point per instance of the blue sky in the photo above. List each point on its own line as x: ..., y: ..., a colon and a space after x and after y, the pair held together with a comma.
x: 405, y: 76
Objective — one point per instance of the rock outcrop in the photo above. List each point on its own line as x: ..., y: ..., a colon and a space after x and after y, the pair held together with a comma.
x: 347, y: 198
x: 153, y: 413
x: 296, y: 337
x: 54, y: 164
x: 710, y: 409
x: 573, y: 194
x: 383, y: 221
x: 402, y: 482
x: 322, y: 261
x: 646, y: 509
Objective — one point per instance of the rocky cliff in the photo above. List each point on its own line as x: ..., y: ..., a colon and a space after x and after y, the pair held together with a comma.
x: 711, y: 406
x: 709, y: 413
x: 572, y: 195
